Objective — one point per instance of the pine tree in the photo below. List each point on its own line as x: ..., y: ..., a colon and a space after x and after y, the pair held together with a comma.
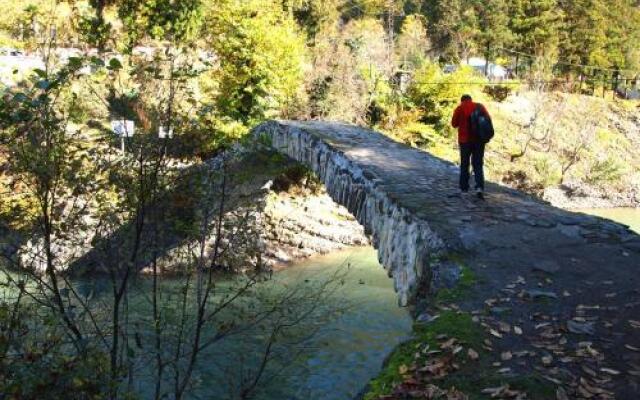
x: 536, y: 25
x: 584, y: 33
x: 452, y: 26
x: 494, y: 31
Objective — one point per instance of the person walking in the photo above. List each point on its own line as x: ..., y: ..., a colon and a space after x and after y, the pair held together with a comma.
x: 471, y: 142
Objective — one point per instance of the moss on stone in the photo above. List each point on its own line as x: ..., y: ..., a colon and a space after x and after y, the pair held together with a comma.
x: 467, y: 281
x: 457, y: 325
x: 472, y: 377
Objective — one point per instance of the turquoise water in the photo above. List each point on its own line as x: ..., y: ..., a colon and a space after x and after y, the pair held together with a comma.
x: 335, y: 363
x: 362, y: 326
x: 627, y: 216
x: 356, y: 344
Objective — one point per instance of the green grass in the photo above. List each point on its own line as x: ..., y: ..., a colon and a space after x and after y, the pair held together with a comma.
x: 471, y: 378
x: 467, y: 281
x: 453, y: 324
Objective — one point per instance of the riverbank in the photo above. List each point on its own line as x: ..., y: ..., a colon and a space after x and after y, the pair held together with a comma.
x: 584, y: 197
x: 626, y: 216
x: 275, y: 213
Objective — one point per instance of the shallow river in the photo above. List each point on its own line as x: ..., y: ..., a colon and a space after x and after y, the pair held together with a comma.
x: 349, y: 351
x: 354, y: 348
x: 627, y: 216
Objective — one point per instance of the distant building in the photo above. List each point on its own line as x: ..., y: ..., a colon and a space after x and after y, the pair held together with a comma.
x: 630, y: 89
x: 13, y: 59
x: 493, y: 71
x: 629, y: 94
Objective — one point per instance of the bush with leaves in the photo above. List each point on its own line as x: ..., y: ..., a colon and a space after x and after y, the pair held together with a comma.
x: 437, y: 94
x: 261, y: 54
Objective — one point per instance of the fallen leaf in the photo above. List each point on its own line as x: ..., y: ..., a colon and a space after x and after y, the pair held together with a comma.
x: 550, y: 379
x: 592, y: 389
x: 495, y: 333
x: 581, y: 328
x: 589, y: 371
x: 584, y: 393
x: 517, y: 330
x: 506, y: 356
x: 455, y: 394
x: 448, y: 344
x: 610, y: 371
x: 473, y: 354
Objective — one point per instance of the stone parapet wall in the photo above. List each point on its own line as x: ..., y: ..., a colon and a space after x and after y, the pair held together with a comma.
x: 405, y: 243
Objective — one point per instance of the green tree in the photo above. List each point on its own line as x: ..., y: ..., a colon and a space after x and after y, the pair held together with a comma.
x: 536, y: 25
x: 584, y: 33
x: 314, y: 15
x: 413, y: 43
x: 164, y: 20
x: 599, y: 33
x: 494, y: 32
x: 452, y: 27
x: 261, y: 54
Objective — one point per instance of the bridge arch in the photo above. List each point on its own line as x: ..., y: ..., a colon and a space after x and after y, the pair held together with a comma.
x: 361, y: 172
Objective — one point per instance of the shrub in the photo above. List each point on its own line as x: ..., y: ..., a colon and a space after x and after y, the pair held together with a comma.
x: 498, y: 93
x: 296, y: 176
x: 547, y: 174
x: 437, y: 94
x: 604, y: 171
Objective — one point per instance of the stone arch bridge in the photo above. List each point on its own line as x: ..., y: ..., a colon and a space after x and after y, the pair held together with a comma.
x: 402, y: 196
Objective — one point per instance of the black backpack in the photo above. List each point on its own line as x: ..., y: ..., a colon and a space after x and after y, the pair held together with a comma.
x: 481, y: 125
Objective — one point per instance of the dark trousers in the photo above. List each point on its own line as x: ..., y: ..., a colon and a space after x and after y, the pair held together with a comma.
x: 471, y: 154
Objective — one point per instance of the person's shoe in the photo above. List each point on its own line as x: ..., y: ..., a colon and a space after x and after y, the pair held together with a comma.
x: 480, y: 194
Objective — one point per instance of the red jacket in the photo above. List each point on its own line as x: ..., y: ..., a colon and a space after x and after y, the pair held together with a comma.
x: 460, y: 120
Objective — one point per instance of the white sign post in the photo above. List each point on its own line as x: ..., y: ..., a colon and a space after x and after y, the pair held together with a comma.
x: 163, y: 134
x: 124, y: 129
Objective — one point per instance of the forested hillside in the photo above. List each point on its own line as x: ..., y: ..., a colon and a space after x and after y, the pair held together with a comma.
x: 395, y: 65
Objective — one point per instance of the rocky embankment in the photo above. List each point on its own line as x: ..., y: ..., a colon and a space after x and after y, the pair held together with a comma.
x: 274, y: 214
x: 300, y: 225
x: 579, y: 196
